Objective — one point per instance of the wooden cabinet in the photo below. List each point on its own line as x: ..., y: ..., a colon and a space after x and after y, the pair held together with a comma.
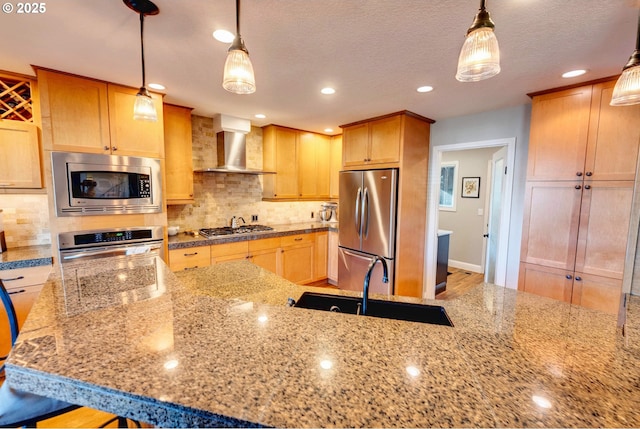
x: 19, y: 155
x: 178, y: 153
x: 335, y: 165
x: 372, y: 142
x: 264, y: 253
x: 86, y: 115
x: 191, y: 257
x: 226, y: 252
x: 23, y: 285
x: 321, y: 255
x: 332, y: 263
x: 298, y: 258
x: 580, y: 182
x: 301, y: 161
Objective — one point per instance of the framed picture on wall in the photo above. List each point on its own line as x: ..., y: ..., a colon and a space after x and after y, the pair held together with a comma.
x: 470, y: 187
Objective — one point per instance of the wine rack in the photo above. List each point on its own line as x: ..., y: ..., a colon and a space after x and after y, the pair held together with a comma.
x: 15, y: 98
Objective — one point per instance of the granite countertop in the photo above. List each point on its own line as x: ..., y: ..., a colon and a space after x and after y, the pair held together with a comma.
x: 23, y: 257
x: 183, y: 240
x: 217, y: 346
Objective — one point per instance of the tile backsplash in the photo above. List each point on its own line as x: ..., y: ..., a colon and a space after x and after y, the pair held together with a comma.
x: 219, y: 196
x: 26, y: 219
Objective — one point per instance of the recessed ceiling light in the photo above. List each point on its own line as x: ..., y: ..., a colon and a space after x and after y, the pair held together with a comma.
x: 328, y: 91
x: 328, y: 130
x: 426, y: 88
x: 573, y: 73
x: 224, y: 36
x: 156, y: 86
x: 260, y: 116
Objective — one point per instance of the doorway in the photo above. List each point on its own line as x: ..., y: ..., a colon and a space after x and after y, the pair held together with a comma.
x: 499, y: 206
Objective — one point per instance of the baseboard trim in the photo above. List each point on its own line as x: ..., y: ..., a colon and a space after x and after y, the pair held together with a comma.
x: 466, y: 266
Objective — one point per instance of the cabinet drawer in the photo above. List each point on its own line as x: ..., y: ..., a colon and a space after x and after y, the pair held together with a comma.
x: 293, y: 240
x: 193, y: 257
x: 20, y: 277
x: 264, y: 243
x: 228, y: 249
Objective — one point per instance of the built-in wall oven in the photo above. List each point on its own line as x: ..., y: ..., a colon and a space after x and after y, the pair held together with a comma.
x: 95, y: 184
x: 85, y: 245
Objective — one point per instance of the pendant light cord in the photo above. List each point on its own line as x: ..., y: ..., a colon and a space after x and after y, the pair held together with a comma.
x: 238, y: 17
x: 142, y: 47
x: 638, y: 33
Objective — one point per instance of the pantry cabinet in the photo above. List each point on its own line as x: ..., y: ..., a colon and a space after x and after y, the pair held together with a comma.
x: 302, y: 162
x: 580, y: 182
x: 86, y: 115
x: 19, y: 155
x: 373, y: 142
x: 178, y: 152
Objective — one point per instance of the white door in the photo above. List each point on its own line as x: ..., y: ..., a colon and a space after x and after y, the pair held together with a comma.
x: 493, y: 273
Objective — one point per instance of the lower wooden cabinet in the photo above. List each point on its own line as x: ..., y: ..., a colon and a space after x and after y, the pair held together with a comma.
x: 24, y: 286
x: 298, y: 258
x: 229, y: 252
x: 332, y: 263
x: 587, y: 290
x: 264, y: 253
x: 192, y: 257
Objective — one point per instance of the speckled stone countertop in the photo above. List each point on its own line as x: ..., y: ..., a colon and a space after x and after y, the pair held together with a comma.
x: 217, y: 346
x: 23, y: 257
x: 183, y: 240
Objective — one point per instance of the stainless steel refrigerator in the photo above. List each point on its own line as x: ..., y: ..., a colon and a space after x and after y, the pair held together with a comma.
x: 367, y: 219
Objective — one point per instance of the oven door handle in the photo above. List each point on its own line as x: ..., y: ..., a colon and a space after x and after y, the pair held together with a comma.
x: 122, y: 251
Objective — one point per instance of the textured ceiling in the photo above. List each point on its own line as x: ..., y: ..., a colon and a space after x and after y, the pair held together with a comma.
x: 374, y: 52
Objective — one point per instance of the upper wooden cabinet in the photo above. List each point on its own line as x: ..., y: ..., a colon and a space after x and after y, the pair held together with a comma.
x: 301, y: 160
x: 86, y: 115
x: 178, y: 152
x: 19, y: 155
x: 576, y: 134
x: 373, y: 142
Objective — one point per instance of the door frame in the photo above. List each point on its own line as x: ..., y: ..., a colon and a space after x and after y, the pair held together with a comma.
x: 433, y: 193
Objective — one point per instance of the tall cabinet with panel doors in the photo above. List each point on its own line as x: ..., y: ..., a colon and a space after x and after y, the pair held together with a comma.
x: 20, y: 151
x: 301, y: 161
x: 397, y: 140
x: 583, y: 156
x: 81, y: 114
x: 178, y: 152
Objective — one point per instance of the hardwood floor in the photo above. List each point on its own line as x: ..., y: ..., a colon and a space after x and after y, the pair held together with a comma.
x: 459, y: 282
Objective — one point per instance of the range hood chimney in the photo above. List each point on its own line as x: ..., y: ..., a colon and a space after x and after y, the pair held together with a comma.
x: 232, y: 146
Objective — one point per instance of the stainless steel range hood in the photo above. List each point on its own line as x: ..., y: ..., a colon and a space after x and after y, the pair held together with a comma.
x: 232, y: 147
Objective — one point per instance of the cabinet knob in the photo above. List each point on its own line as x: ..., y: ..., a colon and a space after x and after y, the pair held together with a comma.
x: 106, y: 148
x: 589, y: 173
x: 569, y: 276
x: 587, y: 186
x: 578, y: 187
x: 578, y: 278
x: 579, y: 173
x: 115, y: 148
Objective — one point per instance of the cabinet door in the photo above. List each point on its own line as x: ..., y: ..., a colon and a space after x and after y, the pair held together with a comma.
x: 604, y: 228
x: 131, y: 137
x: 280, y: 156
x: 313, y: 165
x: 332, y: 270
x: 550, y: 227
x: 355, y: 145
x: 19, y: 155
x: 75, y: 113
x: 558, y: 138
x: 265, y: 253
x: 544, y: 281
x: 335, y: 166
x: 178, y: 152
x: 234, y: 251
x: 321, y: 255
x: 192, y: 257
x: 385, y: 140
x: 22, y: 300
x: 614, y: 136
x: 597, y: 293
x: 297, y: 263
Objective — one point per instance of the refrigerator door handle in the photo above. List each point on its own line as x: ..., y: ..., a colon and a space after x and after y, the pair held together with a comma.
x: 356, y: 255
x: 357, y: 218
x: 365, y: 213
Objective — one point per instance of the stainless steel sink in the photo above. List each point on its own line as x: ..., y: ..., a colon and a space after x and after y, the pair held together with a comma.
x: 433, y: 314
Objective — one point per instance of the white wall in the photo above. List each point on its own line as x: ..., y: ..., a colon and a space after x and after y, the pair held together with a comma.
x: 497, y: 124
x: 466, y: 243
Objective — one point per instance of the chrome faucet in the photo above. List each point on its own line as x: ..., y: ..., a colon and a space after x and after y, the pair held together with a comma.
x: 234, y: 222
x: 367, y: 278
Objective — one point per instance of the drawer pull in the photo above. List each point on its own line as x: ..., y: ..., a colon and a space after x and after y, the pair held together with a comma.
x: 190, y: 268
x: 297, y: 239
x: 17, y: 292
x: 15, y: 278
x: 191, y: 254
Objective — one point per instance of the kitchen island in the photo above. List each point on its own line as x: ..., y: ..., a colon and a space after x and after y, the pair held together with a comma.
x: 217, y: 346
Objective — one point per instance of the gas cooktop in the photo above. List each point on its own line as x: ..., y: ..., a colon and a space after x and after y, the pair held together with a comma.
x: 227, y: 230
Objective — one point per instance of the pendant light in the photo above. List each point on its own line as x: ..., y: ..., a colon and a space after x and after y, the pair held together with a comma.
x: 238, y: 71
x: 143, y: 108
x: 627, y: 89
x: 479, y: 57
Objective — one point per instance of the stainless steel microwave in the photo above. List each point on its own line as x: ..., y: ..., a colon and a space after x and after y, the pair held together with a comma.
x: 94, y: 184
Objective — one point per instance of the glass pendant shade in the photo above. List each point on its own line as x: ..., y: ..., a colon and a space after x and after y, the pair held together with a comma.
x: 144, y: 109
x: 479, y: 57
x: 238, y: 73
x: 627, y: 89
